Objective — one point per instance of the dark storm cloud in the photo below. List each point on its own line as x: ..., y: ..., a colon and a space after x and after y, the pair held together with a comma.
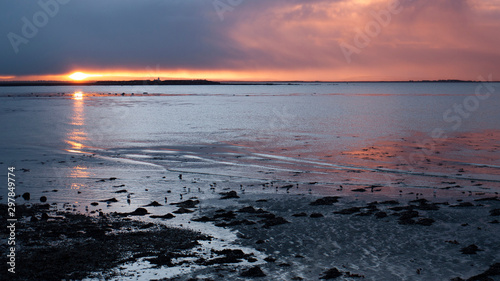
x: 288, y: 39
x: 112, y: 34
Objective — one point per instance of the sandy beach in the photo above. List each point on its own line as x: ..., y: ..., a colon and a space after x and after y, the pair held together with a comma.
x: 239, y: 228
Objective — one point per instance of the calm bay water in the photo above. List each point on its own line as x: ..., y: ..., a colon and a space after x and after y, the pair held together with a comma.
x: 310, y: 122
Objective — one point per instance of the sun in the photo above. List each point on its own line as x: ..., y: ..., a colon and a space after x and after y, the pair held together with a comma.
x: 78, y: 96
x: 80, y: 76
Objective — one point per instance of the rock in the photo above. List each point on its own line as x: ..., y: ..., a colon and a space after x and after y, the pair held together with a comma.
x: 389, y: 202
x: 225, y: 215
x: 494, y: 270
x: 94, y: 203
x: 274, y: 221
x: 182, y: 211
x: 408, y: 215
x: 110, y: 200
x: 425, y: 221
x: 187, y: 204
x: 248, y: 209
x: 300, y: 215
x: 470, y: 250
x: 138, y: 212
x: 329, y: 200
x: 166, y: 216
x: 348, y: 211
x: 45, y: 216
x: 26, y: 196
x: 380, y: 215
x: 495, y: 212
x: 121, y: 191
x: 359, y: 190
x: 331, y: 273
x: 253, y: 272
x: 229, y: 195
x: 43, y: 199
x: 153, y: 204
x: 316, y: 215
x: 496, y: 198
x: 203, y: 219
x: 270, y: 259
x: 463, y: 204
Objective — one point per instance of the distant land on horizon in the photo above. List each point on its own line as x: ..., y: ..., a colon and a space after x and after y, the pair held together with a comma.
x: 202, y: 82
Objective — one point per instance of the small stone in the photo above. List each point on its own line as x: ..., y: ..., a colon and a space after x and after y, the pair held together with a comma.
x: 26, y: 196
x: 253, y: 272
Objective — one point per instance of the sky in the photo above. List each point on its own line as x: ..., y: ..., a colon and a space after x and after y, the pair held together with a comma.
x: 250, y: 40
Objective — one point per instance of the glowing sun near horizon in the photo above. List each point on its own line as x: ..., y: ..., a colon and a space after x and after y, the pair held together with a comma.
x: 81, y: 76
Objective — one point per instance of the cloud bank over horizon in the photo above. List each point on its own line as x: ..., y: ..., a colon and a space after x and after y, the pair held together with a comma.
x: 290, y: 40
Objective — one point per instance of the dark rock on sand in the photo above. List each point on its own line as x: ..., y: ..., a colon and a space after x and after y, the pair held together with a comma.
x: 26, y: 196
x: 187, y: 204
x: 153, y: 204
x: 225, y: 215
x: 251, y: 210
x: 136, y: 212
x: 110, y: 200
x: 380, y: 215
x: 235, y: 222
x: 274, y: 221
x: 253, y: 272
x: 121, y: 191
x: 496, y: 198
x: 139, y: 212
x: 331, y: 273
x: 494, y: 270
x: 166, y: 216
x: 203, y: 219
x: 425, y: 221
x: 94, y: 203
x: 463, y: 204
x: 406, y: 217
x: 470, y: 250
x: 45, y: 216
x: 43, y: 199
x: 424, y: 204
x: 229, y: 195
x: 348, y: 211
x: 227, y: 256
x: 328, y: 200
x: 495, y: 212
x: 182, y: 211
x: 389, y: 202
x: 270, y: 259
x: 359, y: 190
x: 300, y: 215
x: 316, y: 215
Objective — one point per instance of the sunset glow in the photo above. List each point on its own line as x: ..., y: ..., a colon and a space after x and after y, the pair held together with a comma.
x: 78, y: 96
x: 81, y: 76
x: 321, y: 40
